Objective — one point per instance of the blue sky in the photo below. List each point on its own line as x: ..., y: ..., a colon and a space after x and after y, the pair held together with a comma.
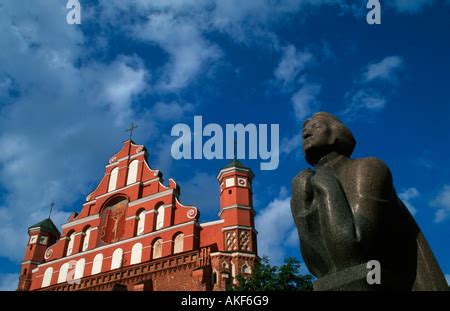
x: 68, y: 92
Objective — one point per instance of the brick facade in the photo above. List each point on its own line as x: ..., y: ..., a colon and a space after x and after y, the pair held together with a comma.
x: 133, y: 233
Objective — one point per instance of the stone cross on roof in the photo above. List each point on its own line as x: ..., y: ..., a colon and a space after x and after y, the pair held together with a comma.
x: 131, y: 129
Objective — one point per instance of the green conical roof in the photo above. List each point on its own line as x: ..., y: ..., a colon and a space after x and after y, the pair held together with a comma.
x: 235, y: 163
x: 46, y: 225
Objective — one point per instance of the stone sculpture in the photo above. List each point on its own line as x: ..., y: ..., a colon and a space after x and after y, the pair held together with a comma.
x: 347, y: 213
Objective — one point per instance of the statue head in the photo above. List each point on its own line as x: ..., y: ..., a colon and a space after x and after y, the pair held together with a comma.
x: 324, y: 133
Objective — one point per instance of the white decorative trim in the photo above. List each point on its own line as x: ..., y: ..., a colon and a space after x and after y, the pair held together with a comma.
x: 191, y: 213
x: 240, y: 227
x: 117, y: 190
x: 80, y: 221
x: 230, y: 182
x: 150, y: 181
x: 151, y: 197
x: 118, y: 243
x: 233, y: 169
x: 37, y: 231
x: 192, y: 210
x: 125, y: 158
x: 212, y: 223
x: 242, y: 182
x: 30, y: 262
x: 89, y: 202
x: 234, y: 254
x: 95, y: 200
x: 236, y: 206
x: 145, y: 212
x: 48, y: 254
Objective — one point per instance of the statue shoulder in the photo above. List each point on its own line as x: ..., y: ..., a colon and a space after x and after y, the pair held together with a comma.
x: 370, y: 165
x: 371, y: 173
x: 302, y: 176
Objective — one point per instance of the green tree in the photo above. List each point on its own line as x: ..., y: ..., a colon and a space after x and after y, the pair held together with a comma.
x: 265, y: 277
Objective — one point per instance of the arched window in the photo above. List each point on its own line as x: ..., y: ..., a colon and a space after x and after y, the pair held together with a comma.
x: 136, y: 253
x: 47, y: 279
x: 97, y: 264
x: 159, y: 217
x: 157, y: 249
x: 62, y: 276
x: 214, y: 277
x: 132, y: 172
x: 140, y: 223
x: 113, y: 179
x: 116, y: 261
x: 87, y: 236
x: 79, y: 269
x: 178, y: 243
x: 246, y: 269
x: 70, y: 244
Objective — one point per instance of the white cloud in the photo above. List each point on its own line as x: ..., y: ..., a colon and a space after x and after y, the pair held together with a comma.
x: 64, y: 122
x: 442, y: 202
x: 182, y: 29
x: 116, y: 85
x: 276, y: 228
x: 181, y: 37
x: 292, y: 63
x: 291, y: 144
x: 176, y: 110
x: 363, y: 101
x: 411, y: 6
x: 9, y: 281
x: 293, y: 239
x: 364, y: 98
x: 383, y: 70
x: 305, y: 101
x: 406, y: 196
x: 447, y: 277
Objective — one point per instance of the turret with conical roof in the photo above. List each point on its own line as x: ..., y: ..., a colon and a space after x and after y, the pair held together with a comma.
x: 235, y: 181
x: 41, y: 236
x: 236, y: 205
x: 45, y: 225
x: 236, y: 211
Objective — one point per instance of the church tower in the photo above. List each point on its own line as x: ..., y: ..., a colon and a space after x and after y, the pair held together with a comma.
x: 40, y: 237
x: 237, y: 213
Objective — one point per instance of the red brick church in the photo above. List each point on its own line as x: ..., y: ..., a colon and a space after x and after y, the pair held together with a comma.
x: 134, y: 234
